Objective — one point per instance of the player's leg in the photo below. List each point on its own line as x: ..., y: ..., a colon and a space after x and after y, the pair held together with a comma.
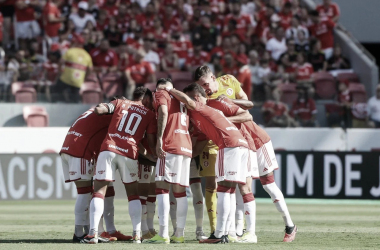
x: 151, y: 205
x: 249, y: 211
x: 239, y: 215
x: 267, y: 164
x: 143, y: 189
x: 173, y: 209
x: 231, y: 227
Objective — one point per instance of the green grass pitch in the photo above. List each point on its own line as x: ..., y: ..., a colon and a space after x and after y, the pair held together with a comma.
x: 322, y: 224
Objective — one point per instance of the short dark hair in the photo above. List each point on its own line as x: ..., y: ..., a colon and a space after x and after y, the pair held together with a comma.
x: 117, y: 97
x: 201, y: 71
x: 195, y: 87
x: 140, y: 92
x: 163, y: 81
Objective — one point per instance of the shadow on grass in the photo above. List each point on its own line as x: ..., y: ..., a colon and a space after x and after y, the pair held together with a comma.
x: 39, y: 241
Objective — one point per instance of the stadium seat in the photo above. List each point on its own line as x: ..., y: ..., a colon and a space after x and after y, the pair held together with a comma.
x: 91, y: 93
x: 49, y: 151
x: 111, y: 84
x: 35, y: 116
x: 92, y: 78
x: 151, y: 86
x: 351, y: 77
x: 325, y: 86
x: 358, y: 93
x: 25, y: 94
x: 289, y: 93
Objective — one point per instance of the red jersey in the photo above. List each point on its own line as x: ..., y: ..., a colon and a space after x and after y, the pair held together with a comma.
x: 285, y: 20
x: 104, y: 59
x: 304, y: 71
x: 278, y: 109
x: 344, y: 97
x: 198, y: 60
x: 51, y: 28
x: 140, y: 72
x: 85, y: 135
x: 26, y: 14
x: 182, y: 48
x: 230, y: 109
x: 52, y: 71
x: 304, y: 110
x: 259, y: 136
x: 216, y: 127
x: 176, y: 137
x: 330, y: 12
x: 129, y: 122
x: 172, y: 23
x: 112, y: 10
x: 324, y: 31
x: 243, y: 22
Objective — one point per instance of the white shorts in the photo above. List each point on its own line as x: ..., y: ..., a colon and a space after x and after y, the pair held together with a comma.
x: 232, y: 164
x: 145, y: 173
x: 174, y: 169
x: 76, y: 169
x: 329, y: 52
x: 28, y: 29
x: 194, y: 171
x: 109, y: 162
x: 253, y: 168
x: 266, y: 159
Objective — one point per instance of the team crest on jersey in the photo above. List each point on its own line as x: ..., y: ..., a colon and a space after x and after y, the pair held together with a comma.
x: 146, y: 176
x: 229, y: 91
x: 205, y: 163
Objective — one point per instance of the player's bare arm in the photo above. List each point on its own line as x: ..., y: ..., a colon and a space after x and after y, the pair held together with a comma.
x: 182, y: 97
x: 241, y: 95
x: 161, y: 125
x: 241, y: 116
x: 198, y: 147
x: 101, y: 109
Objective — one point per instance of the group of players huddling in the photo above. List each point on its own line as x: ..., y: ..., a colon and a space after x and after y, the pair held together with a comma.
x: 161, y: 143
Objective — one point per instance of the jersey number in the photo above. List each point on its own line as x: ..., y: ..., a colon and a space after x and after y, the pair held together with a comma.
x: 85, y: 114
x: 183, y: 110
x: 133, y: 117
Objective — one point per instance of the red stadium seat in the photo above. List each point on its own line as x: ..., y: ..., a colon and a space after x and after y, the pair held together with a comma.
x: 325, y: 86
x: 25, y: 95
x: 35, y: 116
x: 334, y: 108
x: 351, y: 77
x: 91, y: 93
x: 111, y: 84
x: 289, y: 93
x: 357, y: 92
x: 151, y: 86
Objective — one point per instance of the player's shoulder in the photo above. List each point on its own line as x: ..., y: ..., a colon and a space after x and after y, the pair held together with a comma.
x: 226, y: 79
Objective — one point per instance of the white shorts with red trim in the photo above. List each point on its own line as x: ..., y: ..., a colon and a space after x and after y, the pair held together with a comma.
x: 109, y: 162
x: 174, y: 169
x: 76, y: 169
x: 266, y: 159
x: 194, y: 171
x: 231, y: 164
x: 253, y: 168
x: 145, y: 173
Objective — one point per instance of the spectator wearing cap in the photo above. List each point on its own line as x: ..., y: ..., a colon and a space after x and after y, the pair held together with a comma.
x: 104, y: 58
x: 52, y: 19
x: 151, y: 56
x: 169, y: 61
x: 338, y: 61
x: 81, y: 18
x: 330, y: 10
x: 373, y: 109
x: 245, y: 25
x: 138, y: 74
x: 286, y: 15
x: 316, y: 57
x: 323, y: 30
x: 277, y: 45
x: 199, y: 58
x: 304, y: 109
x: 244, y: 74
x: 27, y: 26
x: 76, y: 64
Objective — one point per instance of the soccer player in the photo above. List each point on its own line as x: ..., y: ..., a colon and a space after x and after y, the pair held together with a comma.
x: 231, y: 167
x: 119, y: 151
x: 79, y: 152
x: 238, y: 116
x: 214, y: 87
x: 267, y: 163
x: 174, y: 151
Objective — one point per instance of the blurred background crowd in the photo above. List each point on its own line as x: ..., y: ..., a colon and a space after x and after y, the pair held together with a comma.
x: 283, y: 54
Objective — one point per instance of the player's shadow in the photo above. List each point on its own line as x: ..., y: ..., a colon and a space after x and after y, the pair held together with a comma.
x: 40, y: 241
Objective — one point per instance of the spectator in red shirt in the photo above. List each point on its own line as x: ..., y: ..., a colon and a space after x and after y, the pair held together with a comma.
x: 182, y: 47
x: 226, y: 47
x: 149, y: 17
x: 276, y: 114
x: 26, y: 25
x: 244, y: 23
x: 228, y: 65
x: 104, y: 59
x: 111, y: 7
x: 169, y: 62
x: 330, y: 10
x: 244, y: 75
x: 323, y: 30
x: 304, y: 109
x: 286, y: 15
x: 138, y: 74
x: 52, y: 19
x: 199, y: 58
x: 170, y: 21
x: 344, y: 97
x: 304, y: 71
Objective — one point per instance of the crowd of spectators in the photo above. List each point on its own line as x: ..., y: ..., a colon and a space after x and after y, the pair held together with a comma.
x: 264, y: 43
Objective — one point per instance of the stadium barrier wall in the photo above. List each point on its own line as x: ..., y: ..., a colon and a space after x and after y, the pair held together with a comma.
x: 330, y: 175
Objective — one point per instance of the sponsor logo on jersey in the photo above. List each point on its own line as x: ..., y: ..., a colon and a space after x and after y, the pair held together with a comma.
x: 65, y: 148
x: 118, y: 148
x: 199, y: 202
x: 231, y: 172
x: 240, y: 140
x: 172, y: 174
x: 265, y: 169
x: 137, y: 109
x: 122, y: 137
x: 101, y: 171
x: 229, y: 91
x: 232, y: 128
x: 72, y: 172
x: 181, y: 131
x: 186, y: 150
x: 74, y: 133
